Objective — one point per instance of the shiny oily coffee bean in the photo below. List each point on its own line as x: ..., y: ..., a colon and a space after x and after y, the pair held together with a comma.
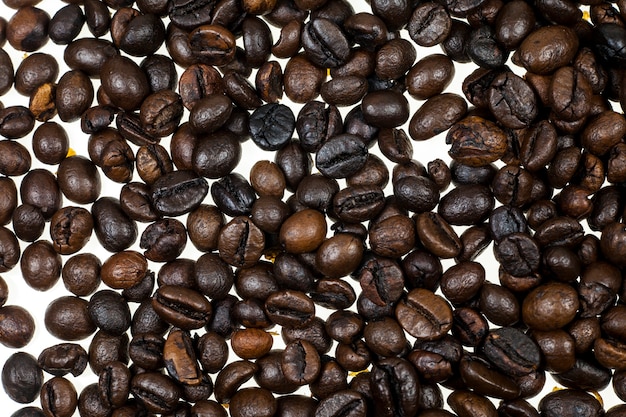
x: 300, y: 362
x: 114, y: 384
x: 437, y: 115
x: 58, y: 397
x: 182, y: 307
x: 347, y: 403
x: 550, y: 306
x: 157, y: 392
x: 231, y: 378
x: 466, y: 404
x: 482, y: 379
x: 63, y: 358
x: 178, y: 192
x: 28, y: 222
x: 290, y: 308
x: 67, y: 318
x: 570, y: 403
x: 394, y: 384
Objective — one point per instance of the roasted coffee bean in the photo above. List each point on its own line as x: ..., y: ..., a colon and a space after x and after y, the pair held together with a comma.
x: 484, y: 380
x: 394, y: 384
x: 546, y: 49
x: 40, y: 265
x: 182, y: 307
x: 512, y: 351
x: 570, y: 402
x: 462, y: 282
x: 324, y: 43
x: 27, y: 30
x: 437, y: 235
x: 550, y: 306
x: 178, y: 192
x: 240, y: 242
x: 476, y: 141
x: 157, y: 392
x: 290, y: 308
x: 14, y: 158
x: 231, y: 377
x: 109, y: 312
x: 424, y: 315
x: 114, y: 229
x: 58, y: 397
x: 518, y: 254
x: 341, y: 156
x: 67, y: 318
x: 339, y: 255
x: 17, y: 326
x: 212, y: 44
x: 22, y: 378
x: 512, y: 101
x: 499, y: 305
x: 163, y: 240
x: 62, y: 359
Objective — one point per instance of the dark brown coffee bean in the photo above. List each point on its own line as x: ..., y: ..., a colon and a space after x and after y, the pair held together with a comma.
x: 546, y: 49
x: 14, y: 158
x: 290, y: 308
x: 303, y: 231
x: 22, y: 378
x: 429, y: 25
x: 437, y: 235
x: 40, y: 265
x: 394, y: 384
x: 124, y: 82
x: 182, y: 307
x: 17, y: 326
x: 476, y: 141
x: 79, y: 179
x: 476, y: 200
x: 178, y: 192
x: 231, y: 378
x: 569, y: 403
x: 424, y: 315
x: 484, y: 380
x: 550, y: 306
x: 9, y: 249
x: 157, y: 392
x: 67, y: 318
x: 212, y: 44
x: 81, y: 274
x: 58, y: 397
x: 62, y: 359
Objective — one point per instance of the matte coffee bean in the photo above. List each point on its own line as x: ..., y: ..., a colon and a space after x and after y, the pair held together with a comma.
x: 341, y: 156
x: 22, y: 378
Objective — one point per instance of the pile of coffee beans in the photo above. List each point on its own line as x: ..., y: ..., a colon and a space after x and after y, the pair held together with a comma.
x: 337, y: 276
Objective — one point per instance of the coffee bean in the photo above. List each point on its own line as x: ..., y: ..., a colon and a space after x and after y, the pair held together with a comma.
x: 21, y: 377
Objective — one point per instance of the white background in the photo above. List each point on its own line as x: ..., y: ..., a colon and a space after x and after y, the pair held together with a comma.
x: 36, y: 302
